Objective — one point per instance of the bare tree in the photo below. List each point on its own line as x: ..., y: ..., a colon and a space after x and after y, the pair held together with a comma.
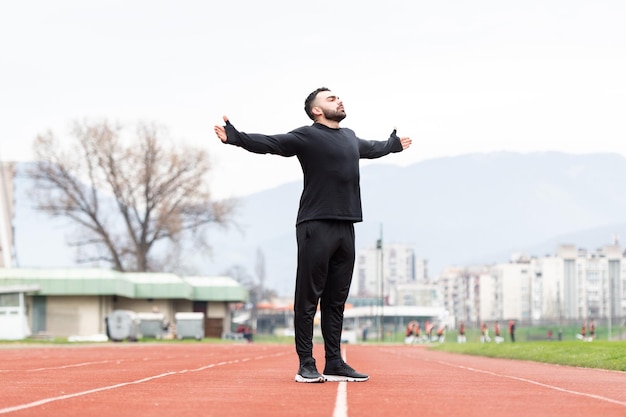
x: 126, y: 194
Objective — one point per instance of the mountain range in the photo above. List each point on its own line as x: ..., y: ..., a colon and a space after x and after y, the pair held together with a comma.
x: 455, y: 211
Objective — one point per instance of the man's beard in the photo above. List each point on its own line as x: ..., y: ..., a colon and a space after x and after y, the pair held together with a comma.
x: 334, y: 115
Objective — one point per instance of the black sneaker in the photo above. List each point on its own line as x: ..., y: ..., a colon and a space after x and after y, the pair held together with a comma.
x: 344, y: 372
x: 308, y: 373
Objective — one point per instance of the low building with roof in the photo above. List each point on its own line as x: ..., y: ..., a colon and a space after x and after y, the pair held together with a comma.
x: 13, y: 317
x: 76, y: 301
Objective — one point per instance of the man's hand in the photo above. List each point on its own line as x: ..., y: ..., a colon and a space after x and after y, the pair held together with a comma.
x: 220, y: 131
x: 405, y: 142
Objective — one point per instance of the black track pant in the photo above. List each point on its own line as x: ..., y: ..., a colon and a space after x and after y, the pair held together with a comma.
x: 325, y: 265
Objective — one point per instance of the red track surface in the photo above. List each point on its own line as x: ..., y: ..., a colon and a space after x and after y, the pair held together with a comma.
x: 257, y: 380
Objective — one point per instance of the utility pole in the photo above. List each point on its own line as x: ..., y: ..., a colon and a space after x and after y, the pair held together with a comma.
x: 610, y: 304
x: 379, y: 247
x: 7, y: 250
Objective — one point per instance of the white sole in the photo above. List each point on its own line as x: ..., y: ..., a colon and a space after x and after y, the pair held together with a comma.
x: 339, y: 378
x: 300, y: 378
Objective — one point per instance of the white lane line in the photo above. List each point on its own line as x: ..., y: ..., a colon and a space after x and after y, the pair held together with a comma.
x: 516, y: 378
x: 78, y: 394
x: 123, y: 384
x: 76, y: 365
x: 541, y: 384
x: 341, y: 402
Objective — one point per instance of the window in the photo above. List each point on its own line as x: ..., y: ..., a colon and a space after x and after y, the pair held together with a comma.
x: 9, y: 300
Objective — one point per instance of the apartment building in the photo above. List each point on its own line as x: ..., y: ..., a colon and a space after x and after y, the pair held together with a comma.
x: 459, y: 290
x: 571, y: 284
x: 392, y: 272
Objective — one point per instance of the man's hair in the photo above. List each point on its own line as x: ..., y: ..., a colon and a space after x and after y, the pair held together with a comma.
x: 308, y: 103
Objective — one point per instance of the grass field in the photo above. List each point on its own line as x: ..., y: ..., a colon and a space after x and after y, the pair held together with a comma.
x: 533, y: 345
x: 597, y: 354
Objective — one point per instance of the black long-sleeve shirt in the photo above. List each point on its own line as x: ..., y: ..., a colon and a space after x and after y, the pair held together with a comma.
x: 330, y: 163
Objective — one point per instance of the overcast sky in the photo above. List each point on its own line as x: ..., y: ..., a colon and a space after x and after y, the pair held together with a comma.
x: 456, y: 76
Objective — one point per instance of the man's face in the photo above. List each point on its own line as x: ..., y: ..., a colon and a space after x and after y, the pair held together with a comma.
x: 330, y: 105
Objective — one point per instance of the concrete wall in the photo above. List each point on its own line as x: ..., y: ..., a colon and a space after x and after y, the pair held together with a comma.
x: 75, y: 316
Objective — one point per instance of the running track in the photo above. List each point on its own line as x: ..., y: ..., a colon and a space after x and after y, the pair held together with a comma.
x: 203, y: 379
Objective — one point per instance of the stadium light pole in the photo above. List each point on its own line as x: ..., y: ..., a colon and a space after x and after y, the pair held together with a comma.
x: 610, y: 304
x: 379, y: 248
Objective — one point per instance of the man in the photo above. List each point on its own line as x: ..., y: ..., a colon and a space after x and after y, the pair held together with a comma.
x: 330, y: 204
x: 412, y: 332
x: 461, y: 337
x: 512, y: 330
x: 498, y: 338
x: 484, y: 333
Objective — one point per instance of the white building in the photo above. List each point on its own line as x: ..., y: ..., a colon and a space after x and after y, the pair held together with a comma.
x: 572, y: 284
x: 404, y: 275
x: 423, y: 294
x: 459, y: 290
x: 590, y: 284
x: 512, y: 293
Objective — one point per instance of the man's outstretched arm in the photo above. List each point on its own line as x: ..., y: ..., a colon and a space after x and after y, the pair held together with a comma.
x: 371, y: 149
x: 285, y: 144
